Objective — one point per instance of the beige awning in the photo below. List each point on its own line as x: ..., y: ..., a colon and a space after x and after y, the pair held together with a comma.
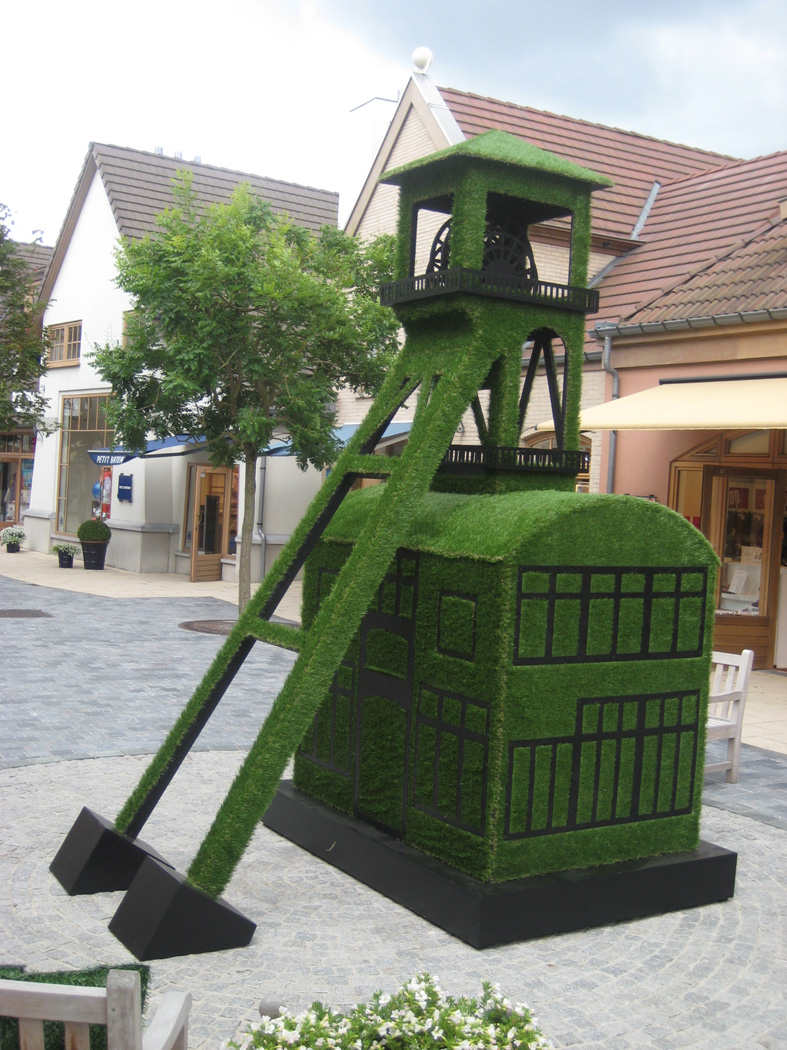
x: 736, y: 404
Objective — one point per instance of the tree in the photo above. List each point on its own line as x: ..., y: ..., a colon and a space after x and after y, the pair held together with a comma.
x: 244, y: 326
x: 23, y: 343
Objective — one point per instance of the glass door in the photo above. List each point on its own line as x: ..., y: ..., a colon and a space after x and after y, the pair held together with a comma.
x: 209, y: 504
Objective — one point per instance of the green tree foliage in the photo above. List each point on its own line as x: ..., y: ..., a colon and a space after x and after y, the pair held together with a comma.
x: 245, y: 326
x: 23, y: 344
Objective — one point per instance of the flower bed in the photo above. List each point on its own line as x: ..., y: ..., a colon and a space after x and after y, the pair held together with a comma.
x: 420, y: 1016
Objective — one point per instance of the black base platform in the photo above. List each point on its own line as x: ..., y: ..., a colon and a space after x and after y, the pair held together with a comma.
x: 163, y: 915
x: 484, y: 914
x: 95, y: 858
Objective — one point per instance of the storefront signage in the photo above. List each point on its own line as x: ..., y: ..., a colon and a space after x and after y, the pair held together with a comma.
x: 124, y: 487
x: 103, y: 458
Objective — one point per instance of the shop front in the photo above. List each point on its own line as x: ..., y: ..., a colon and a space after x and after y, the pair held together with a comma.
x: 732, y: 487
x: 16, y: 475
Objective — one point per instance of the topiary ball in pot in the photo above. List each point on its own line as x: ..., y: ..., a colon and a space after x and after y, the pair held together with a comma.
x: 94, y: 535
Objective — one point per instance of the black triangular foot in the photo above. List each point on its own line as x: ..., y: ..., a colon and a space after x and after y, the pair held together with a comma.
x: 95, y: 858
x: 163, y: 915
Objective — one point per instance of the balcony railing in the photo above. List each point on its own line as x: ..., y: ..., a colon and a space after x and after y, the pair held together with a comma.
x: 494, y: 285
x: 475, y: 459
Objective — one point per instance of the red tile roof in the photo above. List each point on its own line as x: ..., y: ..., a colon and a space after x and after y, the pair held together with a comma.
x: 634, y: 162
x: 710, y: 240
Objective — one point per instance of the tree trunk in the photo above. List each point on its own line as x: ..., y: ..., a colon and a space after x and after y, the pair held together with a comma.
x: 247, y: 525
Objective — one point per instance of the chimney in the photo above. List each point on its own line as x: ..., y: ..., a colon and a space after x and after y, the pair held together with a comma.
x: 783, y: 207
x: 178, y: 154
x: 159, y: 151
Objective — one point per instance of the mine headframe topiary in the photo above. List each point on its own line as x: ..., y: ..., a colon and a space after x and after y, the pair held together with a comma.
x: 468, y: 295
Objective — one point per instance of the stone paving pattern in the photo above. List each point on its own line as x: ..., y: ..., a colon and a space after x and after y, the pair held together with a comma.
x: 87, y: 693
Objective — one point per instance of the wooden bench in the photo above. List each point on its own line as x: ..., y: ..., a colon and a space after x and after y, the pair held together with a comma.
x: 118, y: 1006
x: 729, y: 684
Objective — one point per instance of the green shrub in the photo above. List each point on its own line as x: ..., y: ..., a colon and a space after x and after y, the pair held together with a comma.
x: 94, y: 531
x: 420, y: 1015
x: 54, y: 1031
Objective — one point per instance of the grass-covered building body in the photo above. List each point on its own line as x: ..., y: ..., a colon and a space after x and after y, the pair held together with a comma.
x: 528, y: 693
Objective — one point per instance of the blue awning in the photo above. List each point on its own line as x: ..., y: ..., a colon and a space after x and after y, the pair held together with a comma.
x: 343, y: 435
x: 158, y: 448
x: 115, y: 457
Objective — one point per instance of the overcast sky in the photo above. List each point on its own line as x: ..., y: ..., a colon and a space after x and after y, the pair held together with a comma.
x: 267, y: 86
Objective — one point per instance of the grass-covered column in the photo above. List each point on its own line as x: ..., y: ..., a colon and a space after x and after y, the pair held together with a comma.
x: 328, y: 638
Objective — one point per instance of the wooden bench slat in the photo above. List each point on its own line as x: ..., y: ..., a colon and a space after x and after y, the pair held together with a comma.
x: 31, y: 1034
x: 77, y: 1035
x: 52, y: 1002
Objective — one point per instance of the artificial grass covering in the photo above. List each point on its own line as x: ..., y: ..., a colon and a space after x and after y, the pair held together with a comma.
x: 544, y: 681
x: 464, y: 642
x: 54, y: 1031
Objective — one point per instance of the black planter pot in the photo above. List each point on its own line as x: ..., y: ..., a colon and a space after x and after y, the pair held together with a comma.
x: 12, y: 548
x: 65, y: 561
x: 93, y: 553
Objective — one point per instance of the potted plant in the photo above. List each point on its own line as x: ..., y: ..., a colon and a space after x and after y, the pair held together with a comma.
x: 65, y: 554
x: 11, y: 537
x: 94, y: 535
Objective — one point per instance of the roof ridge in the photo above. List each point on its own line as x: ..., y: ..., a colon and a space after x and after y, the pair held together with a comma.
x: 204, y: 164
x: 593, y: 124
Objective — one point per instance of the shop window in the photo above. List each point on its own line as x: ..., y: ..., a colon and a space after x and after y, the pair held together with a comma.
x: 65, y: 341
x: 757, y: 443
x: 83, y: 427
x: 16, y: 479
x: 744, y: 541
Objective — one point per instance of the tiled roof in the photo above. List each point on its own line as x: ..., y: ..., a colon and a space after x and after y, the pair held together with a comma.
x: 713, y: 243
x: 634, y: 162
x: 37, y: 257
x: 751, y: 278
x: 139, y: 186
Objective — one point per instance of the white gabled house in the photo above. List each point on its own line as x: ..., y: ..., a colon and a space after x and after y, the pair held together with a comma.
x: 170, y: 510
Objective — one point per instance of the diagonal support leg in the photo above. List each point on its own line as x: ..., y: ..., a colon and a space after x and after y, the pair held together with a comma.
x: 96, y: 857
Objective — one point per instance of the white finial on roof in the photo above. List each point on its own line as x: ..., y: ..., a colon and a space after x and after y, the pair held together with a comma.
x: 422, y: 59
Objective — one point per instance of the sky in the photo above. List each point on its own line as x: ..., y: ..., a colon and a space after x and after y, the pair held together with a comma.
x: 272, y: 87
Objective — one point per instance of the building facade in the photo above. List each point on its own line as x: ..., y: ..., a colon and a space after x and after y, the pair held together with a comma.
x: 170, y: 510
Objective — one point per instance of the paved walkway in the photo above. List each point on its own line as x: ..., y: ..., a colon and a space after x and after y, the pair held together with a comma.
x: 88, y: 690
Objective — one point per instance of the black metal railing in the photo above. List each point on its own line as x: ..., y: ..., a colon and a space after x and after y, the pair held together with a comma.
x: 488, y: 283
x: 474, y: 459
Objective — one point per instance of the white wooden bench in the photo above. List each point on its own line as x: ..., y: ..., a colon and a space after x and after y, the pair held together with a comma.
x: 118, y: 1006
x: 729, y: 684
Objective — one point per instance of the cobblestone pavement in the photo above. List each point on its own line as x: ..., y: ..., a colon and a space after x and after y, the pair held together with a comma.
x: 99, y: 676
x: 86, y: 694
